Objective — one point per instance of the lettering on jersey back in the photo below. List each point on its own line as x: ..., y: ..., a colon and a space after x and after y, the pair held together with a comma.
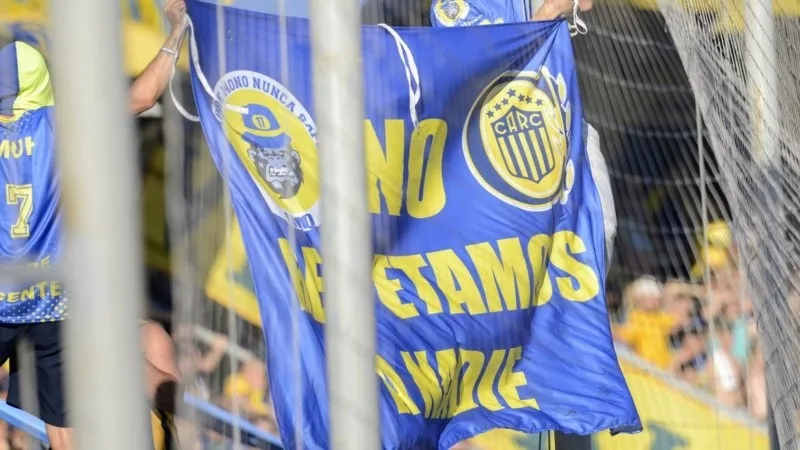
x: 16, y: 148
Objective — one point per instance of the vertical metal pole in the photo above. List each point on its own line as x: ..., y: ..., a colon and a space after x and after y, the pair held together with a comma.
x: 346, y: 225
x: 774, y: 442
x: 103, y: 261
x: 762, y: 82
x: 762, y: 78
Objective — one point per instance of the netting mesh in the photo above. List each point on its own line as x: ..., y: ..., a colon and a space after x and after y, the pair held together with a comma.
x: 674, y: 213
x: 743, y: 62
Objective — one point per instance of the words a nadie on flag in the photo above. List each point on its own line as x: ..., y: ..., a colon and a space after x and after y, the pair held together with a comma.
x: 489, y: 246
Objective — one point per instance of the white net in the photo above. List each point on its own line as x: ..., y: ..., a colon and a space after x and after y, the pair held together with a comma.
x: 700, y: 384
x: 743, y: 62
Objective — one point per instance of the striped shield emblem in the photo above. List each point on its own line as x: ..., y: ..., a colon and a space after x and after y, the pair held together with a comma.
x: 525, y: 144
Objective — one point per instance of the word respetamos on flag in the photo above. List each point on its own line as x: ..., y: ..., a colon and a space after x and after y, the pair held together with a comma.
x: 489, y: 246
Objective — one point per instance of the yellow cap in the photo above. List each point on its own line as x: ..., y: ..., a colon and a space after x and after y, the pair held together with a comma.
x: 719, y: 235
x: 24, y: 79
x: 714, y: 257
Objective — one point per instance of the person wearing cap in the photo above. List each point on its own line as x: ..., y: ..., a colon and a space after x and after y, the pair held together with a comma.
x: 30, y: 230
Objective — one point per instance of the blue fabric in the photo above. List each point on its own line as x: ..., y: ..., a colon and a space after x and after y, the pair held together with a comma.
x: 488, y: 239
x: 30, y: 231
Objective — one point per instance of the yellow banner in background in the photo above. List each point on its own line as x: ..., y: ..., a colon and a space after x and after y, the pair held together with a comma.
x: 673, y: 419
x: 229, y: 280
x: 142, y: 28
x: 677, y: 420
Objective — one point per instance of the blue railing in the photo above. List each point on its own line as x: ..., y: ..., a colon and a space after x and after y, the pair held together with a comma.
x: 211, y: 417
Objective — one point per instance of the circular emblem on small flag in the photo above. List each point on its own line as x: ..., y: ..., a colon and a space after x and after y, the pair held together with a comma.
x: 275, y: 142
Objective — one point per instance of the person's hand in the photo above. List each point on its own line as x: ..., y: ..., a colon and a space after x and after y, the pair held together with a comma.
x: 175, y: 10
x: 220, y: 342
x: 554, y: 9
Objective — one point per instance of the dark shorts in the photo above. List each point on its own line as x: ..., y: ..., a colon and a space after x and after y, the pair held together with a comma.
x: 45, y: 338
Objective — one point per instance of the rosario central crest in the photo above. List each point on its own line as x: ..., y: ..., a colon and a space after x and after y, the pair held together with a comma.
x: 522, y: 136
x: 516, y: 140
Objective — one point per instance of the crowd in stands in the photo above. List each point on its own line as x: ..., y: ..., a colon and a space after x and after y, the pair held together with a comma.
x: 243, y: 390
x: 702, y: 330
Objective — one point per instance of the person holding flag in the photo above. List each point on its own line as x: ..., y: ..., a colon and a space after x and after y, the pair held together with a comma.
x: 30, y: 229
x: 461, y: 13
x: 458, y: 13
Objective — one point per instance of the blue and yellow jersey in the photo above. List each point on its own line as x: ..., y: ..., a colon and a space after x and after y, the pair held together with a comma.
x: 30, y: 231
x: 462, y: 13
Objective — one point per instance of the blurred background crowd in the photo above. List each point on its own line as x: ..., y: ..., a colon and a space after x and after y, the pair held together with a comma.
x: 704, y: 333
x: 676, y: 293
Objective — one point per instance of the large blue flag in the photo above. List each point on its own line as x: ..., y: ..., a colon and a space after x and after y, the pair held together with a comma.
x: 489, y: 245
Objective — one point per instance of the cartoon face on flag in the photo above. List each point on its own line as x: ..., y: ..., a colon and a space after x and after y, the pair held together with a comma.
x: 274, y: 137
x: 272, y: 153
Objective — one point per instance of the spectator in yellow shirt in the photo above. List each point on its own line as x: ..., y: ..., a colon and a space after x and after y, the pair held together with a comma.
x: 248, y: 390
x: 648, y: 327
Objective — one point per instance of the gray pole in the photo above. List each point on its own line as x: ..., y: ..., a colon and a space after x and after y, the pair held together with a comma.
x: 346, y: 225
x: 103, y: 262
x: 762, y: 78
x: 572, y: 442
x: 761, y: 61
x: 774, y: 442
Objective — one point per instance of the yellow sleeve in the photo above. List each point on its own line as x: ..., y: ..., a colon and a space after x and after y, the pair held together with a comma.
x: 257, y: 405
x: 627, y: 333
x: 667, y: 322
x: 237, y: 386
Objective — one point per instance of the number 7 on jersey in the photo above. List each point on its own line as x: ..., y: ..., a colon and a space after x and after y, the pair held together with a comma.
x: 22, y: 195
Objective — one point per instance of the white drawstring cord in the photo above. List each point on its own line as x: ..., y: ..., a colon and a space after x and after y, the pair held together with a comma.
x: 195, y: 61
x: 412, y: 73
x: 409, y: 64
x: 577, y: 25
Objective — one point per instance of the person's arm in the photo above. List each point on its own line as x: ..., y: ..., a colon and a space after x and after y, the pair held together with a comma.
x: 148, y: 87
x: 211, y: 360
